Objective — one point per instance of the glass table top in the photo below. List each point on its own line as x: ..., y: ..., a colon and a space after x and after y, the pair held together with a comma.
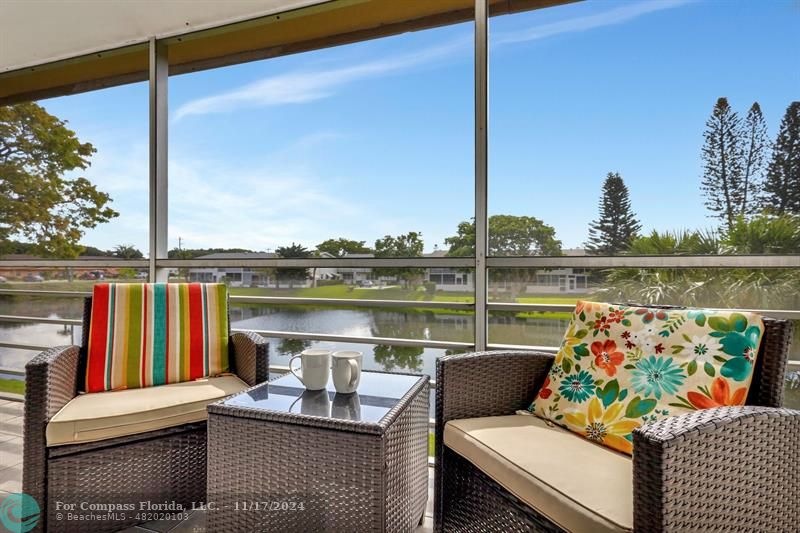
x: 377, y: 394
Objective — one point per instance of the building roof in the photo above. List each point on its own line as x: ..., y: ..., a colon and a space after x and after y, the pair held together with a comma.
x: 436, y: 253
x: 30, y: 257
x: 239, y: 255
x: 52, y: 48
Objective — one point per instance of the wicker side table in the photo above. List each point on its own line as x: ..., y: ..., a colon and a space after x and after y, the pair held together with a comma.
x: 281, y: 458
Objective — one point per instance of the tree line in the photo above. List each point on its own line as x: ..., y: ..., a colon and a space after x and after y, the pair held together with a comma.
x: 745, y: 175
x: 740, y: 175
x: 747, y: 180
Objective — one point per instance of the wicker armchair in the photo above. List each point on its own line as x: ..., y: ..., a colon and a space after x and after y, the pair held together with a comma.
x: 722, y: 469
x: 164, y: 465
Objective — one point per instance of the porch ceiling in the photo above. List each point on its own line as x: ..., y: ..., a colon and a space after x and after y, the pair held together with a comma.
x: 52, y: 48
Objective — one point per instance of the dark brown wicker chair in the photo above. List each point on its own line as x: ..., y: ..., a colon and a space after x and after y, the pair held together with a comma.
x: 672, y: 488
x: 166, y: 465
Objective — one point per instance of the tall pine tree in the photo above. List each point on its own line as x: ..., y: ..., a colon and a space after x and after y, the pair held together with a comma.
x: 754, y: 159
x: 617, y: 225
x: 782, y: 186
x: 722, y: 171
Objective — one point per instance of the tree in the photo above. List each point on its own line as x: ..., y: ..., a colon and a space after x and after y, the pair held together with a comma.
x: 508, y: 235
x: 36, y: 201
x: 722, y: 172
x: 729, y: 287
x: 404, y: 357
x: 462, y: 244
x: 96, y: 252
x: 677, y: 243
x: 617, y: 226
x: 398, y: 326
x: 782, y: 186
x: 764, y: 234
x: 191, y: 253
x: 754, y: 157
x: 341, y: 247
x: 181, y: 253
x: 127, y: 251
x: 293, y: 347
x: 292, y: 274
x: 519, y: 235
x: 407, y: 245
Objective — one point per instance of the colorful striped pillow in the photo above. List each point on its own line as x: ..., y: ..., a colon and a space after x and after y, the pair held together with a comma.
x: 146, y: 334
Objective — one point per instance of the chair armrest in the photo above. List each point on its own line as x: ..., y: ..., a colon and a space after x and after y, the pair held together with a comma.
x: 487, y: 384
x: 481, y: 384
x: 51, y: 381
x: 729, y: 468
x: 250, y: 357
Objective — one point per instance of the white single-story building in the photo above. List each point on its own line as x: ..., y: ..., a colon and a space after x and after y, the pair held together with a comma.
x: 254, y: 277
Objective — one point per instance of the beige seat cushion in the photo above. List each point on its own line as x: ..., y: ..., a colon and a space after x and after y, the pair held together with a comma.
x: 578, y: 485
x: 104, y: 415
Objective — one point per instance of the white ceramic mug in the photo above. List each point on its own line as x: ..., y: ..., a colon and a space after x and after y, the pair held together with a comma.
x: 314, y: 368
x: 346, y: 371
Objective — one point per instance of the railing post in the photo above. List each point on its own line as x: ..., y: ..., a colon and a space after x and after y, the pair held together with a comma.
x: 481, y: 166
x: 159, y: 71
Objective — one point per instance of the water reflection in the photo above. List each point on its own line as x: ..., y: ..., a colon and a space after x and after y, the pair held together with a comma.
x: 504, y: 328
x: 350, y: 322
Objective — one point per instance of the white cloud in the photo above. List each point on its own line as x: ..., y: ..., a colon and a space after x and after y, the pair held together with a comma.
x: 120, y: 170
x: 274, y: 203
x: 624, y: 13
x: 281, y: 200
x: 308, y: 86
x: 301, y: 87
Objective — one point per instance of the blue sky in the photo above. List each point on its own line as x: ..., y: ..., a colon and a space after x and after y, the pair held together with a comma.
x: 376, y: 138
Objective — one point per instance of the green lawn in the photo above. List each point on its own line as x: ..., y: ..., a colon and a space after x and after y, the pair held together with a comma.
x: 12, y: 385
x: 415, y: 298
x: 59, y: 285
x: 349, y: 292
x: 339, y: 291
x: 551, y: 299
x: 419, y: 297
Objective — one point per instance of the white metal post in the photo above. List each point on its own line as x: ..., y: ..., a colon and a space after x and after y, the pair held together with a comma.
x: 159, y: 71
x: 481, y: 158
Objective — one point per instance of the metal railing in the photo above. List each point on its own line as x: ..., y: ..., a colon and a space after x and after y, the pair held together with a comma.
x: 338, y: 302
x: 766, y: 261
x: 481, y: 312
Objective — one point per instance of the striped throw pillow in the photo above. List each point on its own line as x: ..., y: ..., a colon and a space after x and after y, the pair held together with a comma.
x: 146, y: 334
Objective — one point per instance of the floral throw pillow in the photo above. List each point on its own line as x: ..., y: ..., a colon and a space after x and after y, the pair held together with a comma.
x: 619, y: 367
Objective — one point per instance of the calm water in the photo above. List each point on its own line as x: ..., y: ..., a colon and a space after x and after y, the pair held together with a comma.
x: 365, y: 323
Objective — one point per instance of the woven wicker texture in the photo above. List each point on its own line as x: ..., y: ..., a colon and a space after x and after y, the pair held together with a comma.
x: 249, y: 357
x: 481, y: 384
x: 321, y: 477
x: 51, y: 381
x: 770, y: 370
x: 724, y: 469
x: 728, y: 469
x: 475, y: 503
x: 163, y: 465
x: 145, y: 470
